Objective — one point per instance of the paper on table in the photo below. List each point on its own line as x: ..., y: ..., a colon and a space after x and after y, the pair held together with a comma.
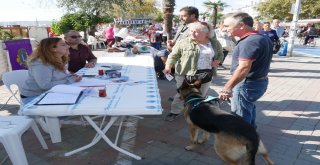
x: 61, y: 94
x: 90, y: 83
x: 58, y: 99
x: 62, y: 88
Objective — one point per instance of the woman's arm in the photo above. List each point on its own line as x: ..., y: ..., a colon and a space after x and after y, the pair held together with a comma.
x: 173, y: 57
x: 43, y: 75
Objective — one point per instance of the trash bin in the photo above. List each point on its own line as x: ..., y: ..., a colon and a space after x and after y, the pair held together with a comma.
x: 283, y: 51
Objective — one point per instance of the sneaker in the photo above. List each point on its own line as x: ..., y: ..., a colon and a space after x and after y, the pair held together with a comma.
x: 171, y: 117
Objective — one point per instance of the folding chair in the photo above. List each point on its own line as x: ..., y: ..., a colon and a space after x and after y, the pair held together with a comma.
x: 11, y: 129
x: 18, y: 77
x: 92, y: 41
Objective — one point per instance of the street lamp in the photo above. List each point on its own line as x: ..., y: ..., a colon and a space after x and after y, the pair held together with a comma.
x: 293, y: 27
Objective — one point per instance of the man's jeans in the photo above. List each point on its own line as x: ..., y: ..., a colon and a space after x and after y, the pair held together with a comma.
x: 245, y: 94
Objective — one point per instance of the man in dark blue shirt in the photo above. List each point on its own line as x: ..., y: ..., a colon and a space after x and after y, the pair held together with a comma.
x: 250, y: 66
x: 267, y: 31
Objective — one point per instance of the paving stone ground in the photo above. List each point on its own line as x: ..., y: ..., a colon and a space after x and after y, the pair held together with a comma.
x: 287, y: 118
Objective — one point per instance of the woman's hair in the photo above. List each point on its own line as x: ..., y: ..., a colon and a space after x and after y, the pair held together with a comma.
x: 45, y: 53
x: 203, y: 26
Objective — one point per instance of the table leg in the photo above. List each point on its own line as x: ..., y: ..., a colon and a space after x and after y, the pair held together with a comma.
x: 102, y: 135
x: 97, y: 137
x: 54, y: 129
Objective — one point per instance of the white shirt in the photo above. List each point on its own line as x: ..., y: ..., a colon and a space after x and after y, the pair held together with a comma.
x: 205, y: 57
x: 123, y: 33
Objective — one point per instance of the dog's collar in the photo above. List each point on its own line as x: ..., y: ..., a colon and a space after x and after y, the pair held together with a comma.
x: 208, y: 99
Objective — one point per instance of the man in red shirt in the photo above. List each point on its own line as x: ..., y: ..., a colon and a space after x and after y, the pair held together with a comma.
x: 80, y: 55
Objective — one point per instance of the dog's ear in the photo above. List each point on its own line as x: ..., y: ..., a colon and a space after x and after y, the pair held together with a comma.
x: 197, y: 84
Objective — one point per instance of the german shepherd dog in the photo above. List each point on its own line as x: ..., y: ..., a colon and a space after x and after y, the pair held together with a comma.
x: 235, y: 142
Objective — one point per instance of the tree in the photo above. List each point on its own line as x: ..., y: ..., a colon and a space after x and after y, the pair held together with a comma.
x: 78, y: 21
x: 275, y: 9
x: 214, y: 7
x: 119, y: 8
x: 168, y: 8
x: 205, y: 15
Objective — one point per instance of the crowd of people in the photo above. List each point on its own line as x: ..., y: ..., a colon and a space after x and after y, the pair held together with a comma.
x: 194, y: 53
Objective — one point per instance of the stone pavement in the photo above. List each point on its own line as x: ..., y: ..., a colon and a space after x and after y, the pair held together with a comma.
x: 287, y: 117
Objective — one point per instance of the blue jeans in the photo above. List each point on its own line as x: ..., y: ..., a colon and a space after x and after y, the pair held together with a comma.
x: 245, y: 94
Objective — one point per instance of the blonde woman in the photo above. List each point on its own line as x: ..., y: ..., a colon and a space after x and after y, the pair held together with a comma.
x: 198, y: 54
x: 47, y: 68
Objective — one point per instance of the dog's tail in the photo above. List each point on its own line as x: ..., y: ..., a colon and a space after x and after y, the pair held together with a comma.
x: 264, y: 152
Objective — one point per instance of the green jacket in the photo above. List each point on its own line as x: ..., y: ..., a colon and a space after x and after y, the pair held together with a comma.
x: 185, y: 56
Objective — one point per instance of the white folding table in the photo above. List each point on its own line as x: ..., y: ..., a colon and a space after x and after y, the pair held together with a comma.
x: 137, y: 96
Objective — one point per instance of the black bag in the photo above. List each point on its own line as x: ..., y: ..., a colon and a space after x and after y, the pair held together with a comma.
x: 276, y: 46
x: 204, y: 75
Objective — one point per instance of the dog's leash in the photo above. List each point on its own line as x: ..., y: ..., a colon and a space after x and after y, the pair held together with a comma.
x: 228, y: 101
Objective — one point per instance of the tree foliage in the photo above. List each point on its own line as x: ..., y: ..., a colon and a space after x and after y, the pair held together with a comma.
x: 215, y: 7
x: 275, y: 9
x: 118, y: 8
x: 78, y: 21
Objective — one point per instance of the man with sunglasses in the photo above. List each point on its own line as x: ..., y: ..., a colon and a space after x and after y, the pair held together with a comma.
x: 251, y: 60
x: 80, y: 55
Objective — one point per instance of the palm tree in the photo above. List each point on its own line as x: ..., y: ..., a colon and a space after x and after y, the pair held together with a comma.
x: 215, y: 6
x: 205, y: 15
x: 168, y: 8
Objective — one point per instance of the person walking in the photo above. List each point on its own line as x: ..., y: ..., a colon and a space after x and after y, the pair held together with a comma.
x: 279, y: 29
x: 267, y: 31
x: 310, y: 33
x: 109, y: 35
x: 251, y: 60
x: 272, y: 34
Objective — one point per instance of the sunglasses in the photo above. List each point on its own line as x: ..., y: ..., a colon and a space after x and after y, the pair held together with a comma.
x: 74, y: 37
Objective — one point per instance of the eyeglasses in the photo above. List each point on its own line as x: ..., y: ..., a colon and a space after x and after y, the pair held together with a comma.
x: 74, y: 37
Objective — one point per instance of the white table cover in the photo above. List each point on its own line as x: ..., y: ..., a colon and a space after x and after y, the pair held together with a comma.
x: 138, y: 96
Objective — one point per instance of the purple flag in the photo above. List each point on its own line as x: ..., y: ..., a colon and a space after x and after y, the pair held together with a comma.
x: 18, y: 50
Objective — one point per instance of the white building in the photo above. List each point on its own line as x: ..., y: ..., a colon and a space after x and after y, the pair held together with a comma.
x: 249, y: 8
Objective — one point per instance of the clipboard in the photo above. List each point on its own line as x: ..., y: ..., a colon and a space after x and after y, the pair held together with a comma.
x: 52, y: 98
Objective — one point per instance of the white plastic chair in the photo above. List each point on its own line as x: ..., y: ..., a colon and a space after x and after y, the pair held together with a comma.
x: 16, y: 77
x: 49, y: 125
x: 92, y: 41
x: 11, y: 129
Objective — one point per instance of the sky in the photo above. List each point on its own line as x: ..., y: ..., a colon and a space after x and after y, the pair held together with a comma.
x: 46, y: 10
